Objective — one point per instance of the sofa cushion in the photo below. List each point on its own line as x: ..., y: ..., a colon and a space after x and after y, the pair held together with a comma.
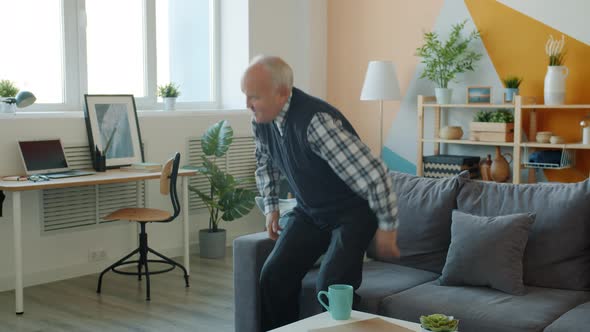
x: 487, y: 251
x: 424, y: 216
x: 484, y: 309
x: 558, y: 250
x: 379, y: 281
x: 577, y: 319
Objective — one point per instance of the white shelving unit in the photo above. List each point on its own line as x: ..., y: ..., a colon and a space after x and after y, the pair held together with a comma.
x: 428, y: 104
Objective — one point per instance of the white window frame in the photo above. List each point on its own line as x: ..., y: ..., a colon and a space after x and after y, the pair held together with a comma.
x: 75, y: 83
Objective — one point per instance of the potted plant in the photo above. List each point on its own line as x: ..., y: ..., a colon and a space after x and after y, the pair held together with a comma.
x: 8, y: 90
x: 511, y: 84
x: 439, y: 323
x: 495, y: 126
x: 225, y: 200
x: 444, y: 60
x: 169, y: 92
x: 554, y: 87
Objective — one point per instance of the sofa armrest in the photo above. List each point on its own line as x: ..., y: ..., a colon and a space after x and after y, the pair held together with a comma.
x: 250, y: 253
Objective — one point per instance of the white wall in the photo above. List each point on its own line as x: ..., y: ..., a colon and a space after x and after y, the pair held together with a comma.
x: 293, y: 29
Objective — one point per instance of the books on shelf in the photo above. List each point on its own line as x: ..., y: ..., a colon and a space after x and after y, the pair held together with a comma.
x: 143, y: 167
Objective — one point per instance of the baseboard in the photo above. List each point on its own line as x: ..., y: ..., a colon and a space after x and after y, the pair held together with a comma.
x: 73, y: 271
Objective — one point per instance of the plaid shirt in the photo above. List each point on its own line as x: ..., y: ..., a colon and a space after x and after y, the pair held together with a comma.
x: 350, y: 159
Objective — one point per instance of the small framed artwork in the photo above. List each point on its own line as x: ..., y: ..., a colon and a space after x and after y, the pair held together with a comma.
x: 479, y: 95
x: 113, y: 129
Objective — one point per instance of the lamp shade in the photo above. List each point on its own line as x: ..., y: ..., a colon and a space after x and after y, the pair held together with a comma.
x: 24, y: 99
x: 381, y: 82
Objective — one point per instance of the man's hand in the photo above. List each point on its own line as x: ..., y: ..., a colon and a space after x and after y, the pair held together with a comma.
x: 272, y: 225
x: 386, y: 243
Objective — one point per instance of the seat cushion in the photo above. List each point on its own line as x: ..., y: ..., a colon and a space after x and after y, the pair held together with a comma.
x: 484, y: 309
x: 424, y: 215
x: 139, y: 214
x: 487, y: 251
x: 557, y: 254
x: 577, y: 319
x: 379, y: 281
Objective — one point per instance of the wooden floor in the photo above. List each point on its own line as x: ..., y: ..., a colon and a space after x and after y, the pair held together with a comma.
x: 74, y: 305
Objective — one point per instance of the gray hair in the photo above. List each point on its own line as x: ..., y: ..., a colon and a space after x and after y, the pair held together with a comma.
x: 280, y: 72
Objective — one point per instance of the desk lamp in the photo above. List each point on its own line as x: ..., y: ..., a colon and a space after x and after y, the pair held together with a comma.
x: 22, y: 99
x: 381, y: 84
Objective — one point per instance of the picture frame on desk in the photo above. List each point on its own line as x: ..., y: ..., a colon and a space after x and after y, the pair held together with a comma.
x: 113, y: 129
x: 479, y: 95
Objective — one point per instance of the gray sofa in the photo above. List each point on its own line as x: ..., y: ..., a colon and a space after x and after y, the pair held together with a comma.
x: 549, y: 267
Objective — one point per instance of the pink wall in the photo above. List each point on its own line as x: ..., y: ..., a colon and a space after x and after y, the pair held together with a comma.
x: 361, y: 31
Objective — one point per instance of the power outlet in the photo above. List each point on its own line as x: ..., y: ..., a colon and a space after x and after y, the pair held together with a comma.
x: 97, y: 255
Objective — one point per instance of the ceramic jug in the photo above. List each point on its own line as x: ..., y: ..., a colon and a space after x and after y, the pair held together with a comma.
x: 554, y: 89
x: 500, y: 170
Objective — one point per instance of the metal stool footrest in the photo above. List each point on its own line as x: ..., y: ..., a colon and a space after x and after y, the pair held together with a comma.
x: 161, y: 261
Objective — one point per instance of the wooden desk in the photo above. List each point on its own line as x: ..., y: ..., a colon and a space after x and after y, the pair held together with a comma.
x: 111, y: 176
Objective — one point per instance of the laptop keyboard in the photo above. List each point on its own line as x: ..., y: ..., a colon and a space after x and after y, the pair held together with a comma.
x: 68, y: 174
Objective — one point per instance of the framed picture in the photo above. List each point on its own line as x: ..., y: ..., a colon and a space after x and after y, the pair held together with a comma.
x: 479, y: 94
x: 113, y: 129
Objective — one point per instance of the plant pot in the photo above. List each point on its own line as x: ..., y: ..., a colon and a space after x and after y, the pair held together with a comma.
x: 451, y: 132
x: 425, y: 330
x: 212, y: 244
x: 443, y: 95
x: 169, y: 103
x: 554, y: 88
x: 509, y: 94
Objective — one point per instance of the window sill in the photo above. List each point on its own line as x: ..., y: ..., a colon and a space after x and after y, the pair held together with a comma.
x: 140, y: 114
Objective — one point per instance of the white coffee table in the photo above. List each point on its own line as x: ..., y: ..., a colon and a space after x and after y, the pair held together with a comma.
x: 324, y: 320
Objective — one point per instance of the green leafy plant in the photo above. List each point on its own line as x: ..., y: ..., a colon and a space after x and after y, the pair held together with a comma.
x: 168, y: 90
x: 554, y: 49
x: 512, y: 82
x: 498, y: 116
x: 7, y: 88
x: 444, y: 60
x: 226, y: 199
x: 439, y: 323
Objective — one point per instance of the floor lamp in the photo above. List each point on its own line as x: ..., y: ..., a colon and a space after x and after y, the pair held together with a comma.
x: 381, y: 84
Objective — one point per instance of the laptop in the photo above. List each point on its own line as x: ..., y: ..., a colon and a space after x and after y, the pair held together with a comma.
x: 47, y: 157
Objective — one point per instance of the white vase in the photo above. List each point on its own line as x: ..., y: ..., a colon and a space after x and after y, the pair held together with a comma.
x: 169, y: 103
x: 443, y: 95
x: 554, y: 89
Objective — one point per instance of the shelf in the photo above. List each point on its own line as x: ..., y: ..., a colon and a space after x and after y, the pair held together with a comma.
x: 545, y: 166
x: 468, y: 142
x: 470, y: 105
x: 573, y: 107
x: 571, y: 146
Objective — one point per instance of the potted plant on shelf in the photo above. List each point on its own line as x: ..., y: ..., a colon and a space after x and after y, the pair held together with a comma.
x: 7, y: 90
x: 169, y: 92
x: 439, y: 323
x: 511, y: 84
x: 444, y: 60
x: 495, y: 126
x: 554, y: 87
x: 225, y: 199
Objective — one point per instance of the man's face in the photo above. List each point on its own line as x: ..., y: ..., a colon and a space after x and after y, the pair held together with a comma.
x: 264, y: 100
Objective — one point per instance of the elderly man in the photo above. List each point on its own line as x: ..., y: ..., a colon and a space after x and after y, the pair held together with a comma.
x: 343, y: 193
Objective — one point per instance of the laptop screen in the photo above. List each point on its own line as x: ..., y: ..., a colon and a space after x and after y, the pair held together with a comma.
x: 43, y: 156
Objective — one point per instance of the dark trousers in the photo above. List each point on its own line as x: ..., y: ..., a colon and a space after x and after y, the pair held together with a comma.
x: 300, y: 244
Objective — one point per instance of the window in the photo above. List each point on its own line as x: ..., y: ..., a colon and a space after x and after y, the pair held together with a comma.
x: 111, y: 46
x: 32, y: 54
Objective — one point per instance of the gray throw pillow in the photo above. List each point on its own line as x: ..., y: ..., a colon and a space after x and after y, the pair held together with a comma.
x: 424, y: 220
x: 487, y: 251
x: 557, y: 254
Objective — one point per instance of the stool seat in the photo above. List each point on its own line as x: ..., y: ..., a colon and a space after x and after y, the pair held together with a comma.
x: 139, y: 215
